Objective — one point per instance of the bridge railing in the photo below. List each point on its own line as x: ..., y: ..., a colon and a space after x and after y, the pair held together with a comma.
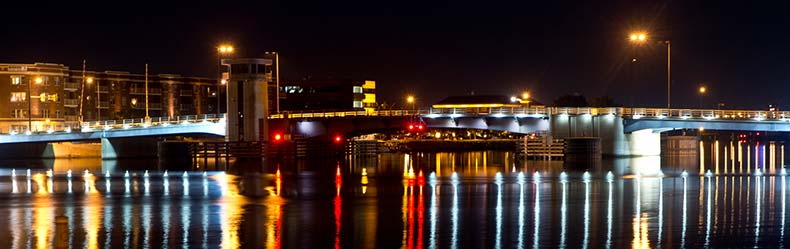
x: 636, y: 113
x: 708, y: 114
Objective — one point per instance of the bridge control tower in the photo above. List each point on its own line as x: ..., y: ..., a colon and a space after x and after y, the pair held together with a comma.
x: 248, y: 98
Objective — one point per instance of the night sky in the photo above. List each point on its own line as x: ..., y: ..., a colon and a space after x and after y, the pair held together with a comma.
x: 738, y: 50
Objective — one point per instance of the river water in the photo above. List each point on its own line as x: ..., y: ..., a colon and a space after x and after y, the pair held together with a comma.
x: 476, y: 200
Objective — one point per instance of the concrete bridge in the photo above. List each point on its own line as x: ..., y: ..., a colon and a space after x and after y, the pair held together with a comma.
x: 623, y: 131
x: 111, y: 139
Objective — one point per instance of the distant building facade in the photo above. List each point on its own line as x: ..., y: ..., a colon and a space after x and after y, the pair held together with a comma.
x: 328, y: 95
x: 52, y: 95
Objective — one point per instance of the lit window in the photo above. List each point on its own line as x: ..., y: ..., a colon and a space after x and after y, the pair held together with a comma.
x: 357, y: 104
x: 357, y: 89
x: 16, y: 80
x: 18, y: 96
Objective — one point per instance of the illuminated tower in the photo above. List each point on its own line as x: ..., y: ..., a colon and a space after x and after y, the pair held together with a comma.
x: 247, y: 98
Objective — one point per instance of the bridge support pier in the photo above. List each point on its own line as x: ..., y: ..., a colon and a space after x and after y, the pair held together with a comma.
x: 119, y: 148
x: 679, y: 153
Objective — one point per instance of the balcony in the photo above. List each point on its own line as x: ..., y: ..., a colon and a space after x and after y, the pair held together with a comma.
x: 141, y: 91
x: 71, y: 102
x: 71, y: 86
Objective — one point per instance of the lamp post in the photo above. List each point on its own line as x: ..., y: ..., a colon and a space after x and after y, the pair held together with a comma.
x: 702, y: 90
x: 147, y: 118
x: 641, y: 37
x: 221, y: 51
x: 37, y: 80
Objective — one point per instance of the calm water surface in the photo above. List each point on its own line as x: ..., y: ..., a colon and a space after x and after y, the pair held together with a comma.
x: 382, y: 202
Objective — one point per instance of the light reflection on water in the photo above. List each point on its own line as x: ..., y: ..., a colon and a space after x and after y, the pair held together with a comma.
x: 320, y: 208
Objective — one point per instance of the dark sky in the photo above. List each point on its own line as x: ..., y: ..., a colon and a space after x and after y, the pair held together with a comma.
x: 738, y: 50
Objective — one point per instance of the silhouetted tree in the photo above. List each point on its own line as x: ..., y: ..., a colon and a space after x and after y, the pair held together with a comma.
x: 571, y: 100
x: 604, y: 101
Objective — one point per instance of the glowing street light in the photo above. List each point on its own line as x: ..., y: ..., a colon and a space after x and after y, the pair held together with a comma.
x: 639, y: 37
x: 702, y: 89
x: 525, y: 95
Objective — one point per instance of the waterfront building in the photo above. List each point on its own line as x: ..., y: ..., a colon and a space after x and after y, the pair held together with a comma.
x: 51, y: 95
x: 328, y: 95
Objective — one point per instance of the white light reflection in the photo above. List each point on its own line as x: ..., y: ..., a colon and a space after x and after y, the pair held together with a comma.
x: 608, y: 216
x: 14, y: 187
x: 127, y: 225
x: 564, y: 215
x: 69, y: 185
x: 454, y: 213
x: 108, y: 225
x: 127, y: 185
x: 586, y: 241
x: 185, y: 217
x: 107, y: 185
x: 166, y: 186
x: 784, y: 194
x: 660, y: 210
x: 146, y: 184
x: 759, y: 201
x: 498, y: 209
x: 147, y: 226
x: 30, y: 184
x: 707, y: 218
x: 536, y: 221
x: 521, y: 215
x: 205, y: 186
x: 683, y: 230
x: 185, y: 184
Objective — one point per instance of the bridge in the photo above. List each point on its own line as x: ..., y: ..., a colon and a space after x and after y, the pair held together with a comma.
x: 210, y: 124
x: 623, y: 131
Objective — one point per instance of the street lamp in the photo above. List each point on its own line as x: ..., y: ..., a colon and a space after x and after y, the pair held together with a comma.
x: 702, y: 90
x: 38, y: 80
x: 641, y: 37
x: 221, y: 51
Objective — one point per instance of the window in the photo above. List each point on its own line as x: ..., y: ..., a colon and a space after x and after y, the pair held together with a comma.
x: 16, y: 79
x: 45, y: 113
x: 357, y: 104
x: 357, y: 89
x: 18, y: 113
x: 18, y: 96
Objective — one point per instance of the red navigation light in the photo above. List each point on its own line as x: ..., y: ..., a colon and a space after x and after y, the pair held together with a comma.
x: 278, y: 137
x: 338, y: 139
x: 420, y: 127
x: 411, y: 127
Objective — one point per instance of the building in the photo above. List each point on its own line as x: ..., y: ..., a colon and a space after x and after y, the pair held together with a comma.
x: 44, y: 95
x: 328, y: 95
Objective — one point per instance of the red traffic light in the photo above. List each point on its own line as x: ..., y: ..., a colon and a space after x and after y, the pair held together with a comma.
x: 338, y: 139
x: 278, y: 137
x: 420, y: 127
x: 411, y: 127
